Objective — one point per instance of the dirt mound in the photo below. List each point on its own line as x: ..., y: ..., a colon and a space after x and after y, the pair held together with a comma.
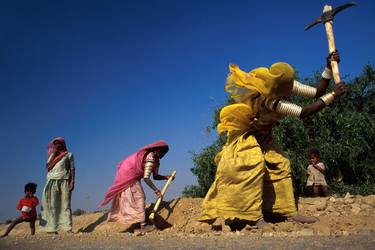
x: 337, y: 217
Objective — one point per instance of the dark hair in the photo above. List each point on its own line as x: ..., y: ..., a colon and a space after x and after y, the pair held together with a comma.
x: 30, y: 187
x: 313, y: 151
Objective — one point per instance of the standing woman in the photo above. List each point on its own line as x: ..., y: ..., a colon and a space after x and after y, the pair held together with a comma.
x: 56, y: 200
x: 128, y: 205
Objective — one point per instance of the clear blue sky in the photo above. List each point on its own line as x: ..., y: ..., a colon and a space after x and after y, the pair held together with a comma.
x: 112, y: 76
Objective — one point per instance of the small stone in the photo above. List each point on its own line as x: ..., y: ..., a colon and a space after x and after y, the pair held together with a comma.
x: 347, y: 196
x: 345, y: 233
x: 355, y: 209
x: 306, y: 232
x: 267, y: 234
x: 332, y: 199
x: 365, y: 206
x: 370, y: 200
x: 349, y: 201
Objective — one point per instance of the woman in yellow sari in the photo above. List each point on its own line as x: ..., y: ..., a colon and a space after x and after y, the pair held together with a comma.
x: 253, y: 175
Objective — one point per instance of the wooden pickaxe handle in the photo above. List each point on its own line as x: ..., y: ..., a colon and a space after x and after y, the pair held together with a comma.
x: 331, y: 46
x: 157, y: 204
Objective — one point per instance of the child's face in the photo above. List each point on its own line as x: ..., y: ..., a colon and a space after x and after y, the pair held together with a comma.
x: 29, y: 194
x: 314, y: 158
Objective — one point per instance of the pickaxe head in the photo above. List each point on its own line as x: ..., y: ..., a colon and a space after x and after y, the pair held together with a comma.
x: 328, y: 16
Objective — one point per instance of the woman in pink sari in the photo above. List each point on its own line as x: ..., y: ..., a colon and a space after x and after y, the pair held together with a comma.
x: 128, y: 205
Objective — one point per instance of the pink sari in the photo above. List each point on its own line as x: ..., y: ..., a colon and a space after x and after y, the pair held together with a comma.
x: 130, y: 171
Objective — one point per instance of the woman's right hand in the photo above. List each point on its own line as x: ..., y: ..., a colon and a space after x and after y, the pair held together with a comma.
x: 339, y: 89
x: 334, y: 56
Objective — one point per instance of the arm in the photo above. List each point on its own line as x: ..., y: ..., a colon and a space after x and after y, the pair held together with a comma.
x: 300, y: 89
x: 284, y: 107
x: 149, y: 183
x: 36, y: 201
x: 71, y: 173
x: 159, y: 177
x: 19, y: 205
x: 150, y: 164
x: 320, y: 168
x: 322, y: 85
x: 338, y: 90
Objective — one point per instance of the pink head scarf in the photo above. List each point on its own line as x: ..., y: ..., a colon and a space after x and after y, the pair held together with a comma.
x: 58, y: 155
x: 130, y: 170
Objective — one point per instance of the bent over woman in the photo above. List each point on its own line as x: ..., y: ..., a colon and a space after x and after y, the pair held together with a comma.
x: 126, y: 192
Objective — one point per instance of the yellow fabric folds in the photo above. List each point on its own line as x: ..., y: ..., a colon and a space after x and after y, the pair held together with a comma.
x: 271, y: 83
x: 235, y: 117
x: 251, y: 179
x: 253, y: 175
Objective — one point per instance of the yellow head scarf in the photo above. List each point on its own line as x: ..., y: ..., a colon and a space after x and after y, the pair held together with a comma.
x: 271, y: 83
x: 249, y: 90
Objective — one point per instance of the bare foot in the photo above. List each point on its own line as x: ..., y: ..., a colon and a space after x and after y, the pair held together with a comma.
x: 144, y: 229
x: 261, y: 223
x: 304, y: 219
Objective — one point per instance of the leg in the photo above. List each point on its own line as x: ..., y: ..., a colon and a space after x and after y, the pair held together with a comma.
x: 278, y: 198
x: 324, y: 190
x: 238, y: 187
x: 316, y: 190
x: 64, y: 217
x: 12, y: 225
x: 32, y: 226
x: 49, y: 207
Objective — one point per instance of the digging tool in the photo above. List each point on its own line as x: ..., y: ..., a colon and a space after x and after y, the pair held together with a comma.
x: 155, y: 209
x: 327, y: 20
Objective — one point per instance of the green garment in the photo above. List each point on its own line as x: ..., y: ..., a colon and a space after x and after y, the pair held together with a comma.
x: 56, y: 200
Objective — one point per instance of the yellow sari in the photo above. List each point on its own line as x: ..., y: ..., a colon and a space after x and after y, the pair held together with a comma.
x: 253, y: 175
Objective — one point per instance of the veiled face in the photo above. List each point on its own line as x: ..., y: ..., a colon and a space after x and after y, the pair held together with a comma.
x: 157, y: 153
x: 59, y: 146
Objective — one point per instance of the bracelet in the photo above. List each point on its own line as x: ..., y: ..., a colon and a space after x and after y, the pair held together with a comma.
x: 327, y: 73
x: 328, y: 98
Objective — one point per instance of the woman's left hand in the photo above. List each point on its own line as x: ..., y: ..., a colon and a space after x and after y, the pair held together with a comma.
x: 167, y: 177
x: 71, y: 186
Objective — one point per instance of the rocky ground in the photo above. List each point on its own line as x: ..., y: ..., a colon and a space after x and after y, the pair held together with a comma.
x: 347, y: 222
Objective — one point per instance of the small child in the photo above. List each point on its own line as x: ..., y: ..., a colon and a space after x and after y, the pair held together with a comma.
x: 27, y: 206
x: 316, y: 179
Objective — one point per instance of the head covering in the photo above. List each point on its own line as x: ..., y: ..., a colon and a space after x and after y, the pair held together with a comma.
x: 53, y: 155
x: 271, y: 83
x: 130, y: 170
x: 249, y: 90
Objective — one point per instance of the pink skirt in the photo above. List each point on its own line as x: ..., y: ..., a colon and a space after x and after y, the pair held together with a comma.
x: 129, y: 206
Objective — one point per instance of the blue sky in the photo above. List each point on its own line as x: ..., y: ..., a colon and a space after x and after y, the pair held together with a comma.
x: 112, y: 76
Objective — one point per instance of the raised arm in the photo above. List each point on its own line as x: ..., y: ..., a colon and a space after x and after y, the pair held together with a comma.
x: 322, y: 85
x: 338, y: 90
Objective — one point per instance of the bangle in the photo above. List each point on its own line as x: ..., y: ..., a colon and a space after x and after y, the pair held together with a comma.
x: 327, y: 73
x: 328, y: 98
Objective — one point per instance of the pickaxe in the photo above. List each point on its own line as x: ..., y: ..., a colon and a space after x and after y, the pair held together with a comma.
x: 155, y: 209
x: 327, y: 20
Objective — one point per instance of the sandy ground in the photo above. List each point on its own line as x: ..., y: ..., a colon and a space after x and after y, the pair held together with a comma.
x: 347, y: 222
